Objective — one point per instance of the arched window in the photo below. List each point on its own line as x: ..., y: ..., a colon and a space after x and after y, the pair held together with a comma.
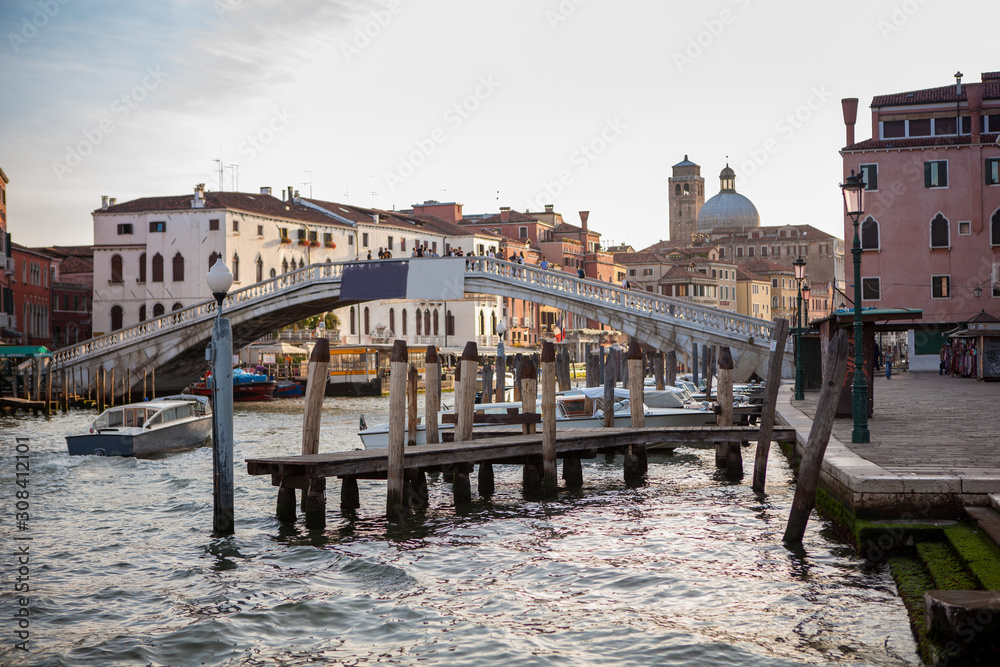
x: 677, y: 190
x: 142, y: 313
x: 687, y: 188
x: 116, y: 269
x: 493, y: 323
x: 236, y: 267
x: 157, y: 268
x: 940, y: 238
x: 392, y: 320
x: 176, y: 306
x: 870, y: 234
x: 427, y: 322
x: 284, y: 266
x: 158, y: 310
x: 367, y: 322
x: 449, y: 324
x: 116, y: 318
x: 273, y: 273
x: 995, y: 228
x: 178, y: 266
x: 435, y: 322
x: 482, y: 324
x: 353, y: 326
x: 142, y: 268
x: 419, y: 322
x: 404, y: 321
x: 212, y: 259
x: 260, y: 269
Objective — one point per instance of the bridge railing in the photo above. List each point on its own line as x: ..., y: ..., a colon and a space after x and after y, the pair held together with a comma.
x: 199, y: 312
x: 646, y: 303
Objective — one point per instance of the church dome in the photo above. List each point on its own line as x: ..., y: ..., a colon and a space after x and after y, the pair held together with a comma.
x: 729, y: 208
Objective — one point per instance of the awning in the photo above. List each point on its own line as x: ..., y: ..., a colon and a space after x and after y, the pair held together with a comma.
x: 277, y: 348
x: 24, y: 351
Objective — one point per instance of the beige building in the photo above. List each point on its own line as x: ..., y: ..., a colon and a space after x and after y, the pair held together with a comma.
x: 753, y: 294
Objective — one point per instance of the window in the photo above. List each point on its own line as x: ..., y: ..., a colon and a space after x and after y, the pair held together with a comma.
x: 284, y: 266
x: 940, y: 287
x: 212, y: 259
x: 871, y: 289
x: 236, y: 268
x: 647, y: 272
x: 176, y: 306
x: 142, y: 268
x: 992, y: 122
x: 328, y: 239
x: 402, y: 245
x: 750, y: 251
x: 631, y: 272
x: 964, y: 228
x: 392, y: 320
x: 776, y: 250
x: 427, y: 322
x: 936, y: 174
x: 158, y: 310
x: 353, y: 326
x: 869, y: 234
x: 522, y: 232
x: 403, y: 318
x: 178, y: 266
x: 435, y: 320
x: 116, y: 318
x: 260, y: 230
x: 390, y: 244
x: 283, y: 232
x: 157, y: 226
x: 367, y: 322
x: 803, y: 251
x: 420, y: 322
x: 722, y: 253
x: 236, y: 226
x: 824, y: 249
x: 920, y: 127
x: 116, y: 269
x: 774, y: 283
x: 869, y: 175
x: 124, y: 228
x: 945, y: 126
x: 350, y: 240
x: 739, y: 251
x: 260, y: 269
x: 939, y: 232
x: 763, y: 251
x: 142, y: 313
x: 157, y: 268
x: 314, y: 236
x: 893, y: 129
x: 213, y: 225
x: 449, y: 324
x: 995, y: 228
x: 992, y: 172
x: 302, y: 234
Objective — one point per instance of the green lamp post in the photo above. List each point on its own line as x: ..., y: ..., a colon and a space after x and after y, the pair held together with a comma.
x: 800, y: 273
x: 853, y: 187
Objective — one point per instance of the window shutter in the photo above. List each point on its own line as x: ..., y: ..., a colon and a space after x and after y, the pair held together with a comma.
x: 873, y: 178
x: 927, y: 174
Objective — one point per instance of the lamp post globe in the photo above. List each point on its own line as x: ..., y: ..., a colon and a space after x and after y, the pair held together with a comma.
x: 219, y: 279
x: 853, y: 190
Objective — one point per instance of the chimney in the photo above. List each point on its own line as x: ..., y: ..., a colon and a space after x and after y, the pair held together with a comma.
x: 505, y: 214
x: 958, y: 84
x: 850, y: 105
x: 199, y: 196
x: 584, y: 215
x: 265, y: 190
x: 296, y: 194
x: 112, y: 201
x: 549, y: 207
x: 291, y: 194
x: 104, y: 202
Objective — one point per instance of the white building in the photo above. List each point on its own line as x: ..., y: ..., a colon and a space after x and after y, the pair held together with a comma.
x: 151, y: 256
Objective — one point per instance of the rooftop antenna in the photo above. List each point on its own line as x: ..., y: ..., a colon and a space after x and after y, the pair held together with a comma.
x: 347, y: 191
x: 373, y: 191
x: 309, y: 183
x: 221, y: 187
x: 235, y: 177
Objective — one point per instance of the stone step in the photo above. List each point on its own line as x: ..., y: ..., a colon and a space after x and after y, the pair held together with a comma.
x: 995, y: 501
x: 988, y: 520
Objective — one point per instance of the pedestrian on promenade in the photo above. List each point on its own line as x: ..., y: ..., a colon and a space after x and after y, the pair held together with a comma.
x: 888, y: 366
x: 369, y: 254
x: 545, y: 265
x: 580, y: 274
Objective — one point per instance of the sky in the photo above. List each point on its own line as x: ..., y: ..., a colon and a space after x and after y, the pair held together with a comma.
x: 583, y: 104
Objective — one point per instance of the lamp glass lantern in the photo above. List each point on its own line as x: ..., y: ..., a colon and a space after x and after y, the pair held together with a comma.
x: 800, y: 268
x: 219, y: 279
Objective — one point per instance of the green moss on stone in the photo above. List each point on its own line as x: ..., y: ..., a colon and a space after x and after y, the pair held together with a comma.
x: 912, y: 581
x: 945, y: 567
x: 977, y: 552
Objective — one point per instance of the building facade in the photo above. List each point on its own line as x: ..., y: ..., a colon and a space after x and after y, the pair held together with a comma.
x: 685, y: 197
x: 31, y: 285
x: 8, y: 313
x: 930, y: 233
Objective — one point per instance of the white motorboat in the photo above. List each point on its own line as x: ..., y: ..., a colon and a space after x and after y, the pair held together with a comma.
x: 579, y: 408
x: 169, y: 424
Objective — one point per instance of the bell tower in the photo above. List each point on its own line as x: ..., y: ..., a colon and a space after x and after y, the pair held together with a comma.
x: 686, y: 194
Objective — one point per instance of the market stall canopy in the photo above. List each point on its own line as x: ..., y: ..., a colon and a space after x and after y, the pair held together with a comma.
x: 982, y: 324
x: 24, y: 351
x: 277, y: 348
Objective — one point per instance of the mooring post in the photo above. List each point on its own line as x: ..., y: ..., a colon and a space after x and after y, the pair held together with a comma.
x: 152, y: 383
x: 501, y: 380
x: 111, y: 392
x: 315, y: 510
x: 671, y: 367
x: 285, y: 506
x: 770, y: 403
x: 128, y: 384
x: 145, y: 379
x: 432, y: 395
x: 727, y: 454
x: 414, y: 480
x: 532, y: 471
x: 465, y: 406
x: 518, y: 367
x: 694, y: 363
x: 101, y: 373
x: 412, y: 375
x: 635, y: 457
x: 708, y: 355
x: 222, y: 415
x: 593, y: 371
x: 549, y: 371
x: 834, y: 364
x: 610, y: 380
x: 487, y: 394
x: 48, y: 387
x: 394, y: 507
x: 350, y: 499
x: 316, y: 378
x: 64, y: 390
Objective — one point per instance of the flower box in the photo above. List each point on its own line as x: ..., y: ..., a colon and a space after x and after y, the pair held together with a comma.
x: 303, y: 242
x: 314, y: 244
x: 285, y: 239
x: 330, y: 244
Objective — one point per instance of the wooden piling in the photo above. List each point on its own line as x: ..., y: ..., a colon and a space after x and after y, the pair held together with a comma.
x: 501, y: 379
x: 316, y: 378
x: 834, y: 364
x: 111, y: 394
x: 487, y: 394
x: 694, y: 363
x: 465, y: 405
x: 145, y: 373
x: 350, y: 499
x: 518, y: 366
x: 592, y: 370
x: 432, y: 395
x: 658, y: 373
x: 397, y: 417
x: 635, y: 457
x: 101, y: 373
x: 128, y: 384
x: 770, y: 403
x: 411, y: 405
x: 671, y: 367
x: 48, y: 387
x: 315, y: 509
x: 549, y: 371
x: 610, y: 380
x: 709, y: 355
x: 727, y: 454
x: 152, y: 383
x: 285, y: 506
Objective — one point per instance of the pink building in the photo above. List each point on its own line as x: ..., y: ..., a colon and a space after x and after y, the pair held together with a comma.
x: 931, y: 230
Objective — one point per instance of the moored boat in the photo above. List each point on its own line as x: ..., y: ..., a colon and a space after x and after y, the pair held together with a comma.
x: 169, y: 424
x: 246, y: 387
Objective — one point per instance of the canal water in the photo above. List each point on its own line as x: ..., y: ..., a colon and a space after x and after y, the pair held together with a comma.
x: 686, y: 570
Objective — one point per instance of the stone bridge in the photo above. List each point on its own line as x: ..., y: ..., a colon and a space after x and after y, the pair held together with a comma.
x: 174, y: 344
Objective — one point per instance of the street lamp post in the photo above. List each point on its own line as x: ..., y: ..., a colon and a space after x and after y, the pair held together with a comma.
x: 853, y: 187
x: 220, y: 353
x: 800, y: 272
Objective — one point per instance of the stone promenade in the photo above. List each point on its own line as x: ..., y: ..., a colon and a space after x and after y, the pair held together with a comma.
x: 935, y: 446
